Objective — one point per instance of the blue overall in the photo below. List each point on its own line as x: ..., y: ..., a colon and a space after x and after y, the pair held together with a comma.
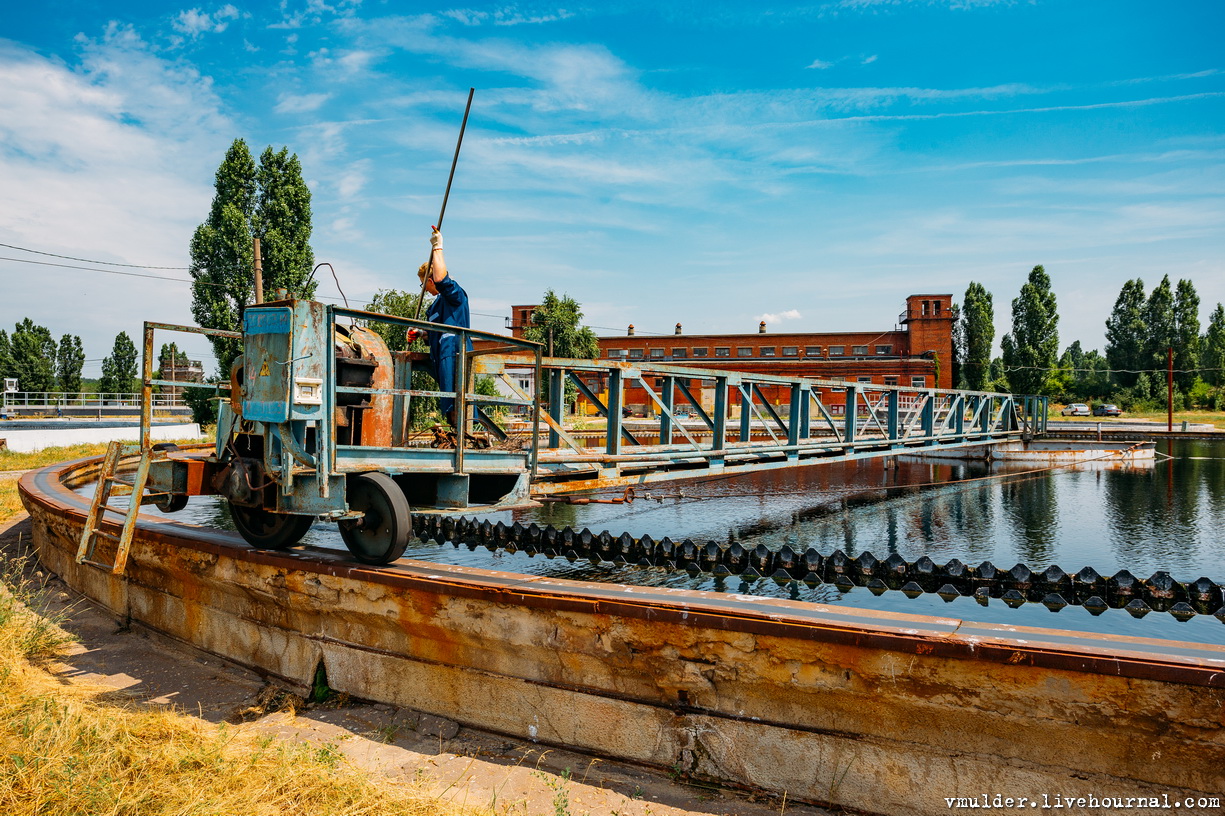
x: 451, y: 308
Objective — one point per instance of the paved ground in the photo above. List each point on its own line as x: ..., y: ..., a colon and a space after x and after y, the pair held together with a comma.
x: 469, y: 766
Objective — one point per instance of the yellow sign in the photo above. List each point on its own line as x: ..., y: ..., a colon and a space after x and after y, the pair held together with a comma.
x: 263, y: 371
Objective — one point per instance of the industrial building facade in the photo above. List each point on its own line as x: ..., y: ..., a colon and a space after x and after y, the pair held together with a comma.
x: 917, y: 353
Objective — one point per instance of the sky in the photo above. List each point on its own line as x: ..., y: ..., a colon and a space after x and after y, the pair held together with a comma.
x: 712, y: 164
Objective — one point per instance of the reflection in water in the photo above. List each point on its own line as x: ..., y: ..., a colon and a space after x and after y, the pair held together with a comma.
x: 1167, y: 517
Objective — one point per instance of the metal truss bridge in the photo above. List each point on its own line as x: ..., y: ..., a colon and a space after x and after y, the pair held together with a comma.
x: 715, y: 421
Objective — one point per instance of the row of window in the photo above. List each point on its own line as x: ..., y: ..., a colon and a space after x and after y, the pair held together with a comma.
x: 745, y: 351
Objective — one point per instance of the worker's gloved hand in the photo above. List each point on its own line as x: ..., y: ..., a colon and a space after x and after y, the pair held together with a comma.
x: 435, y: 239
x: 412, y: 335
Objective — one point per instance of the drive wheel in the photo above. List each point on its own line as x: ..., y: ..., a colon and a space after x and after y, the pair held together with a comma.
x: 382, y: 534
x: 269, y: 531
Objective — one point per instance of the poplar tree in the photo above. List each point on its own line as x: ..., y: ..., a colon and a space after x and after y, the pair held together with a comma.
x: 1212, y: 357
x: 978, y: 331
x: 33, y: 353
x: 69, y: 361
x: 119, y: 369
x: 6, y: 355
x: 1186, y: 335
x: 556, y: 323
x: 1160, y: 325
x: 1031, y: 349
x: 270, y: 202
x: 1126, y: 334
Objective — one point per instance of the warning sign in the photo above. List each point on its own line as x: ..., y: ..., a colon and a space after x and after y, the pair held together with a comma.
x: 263, y: 371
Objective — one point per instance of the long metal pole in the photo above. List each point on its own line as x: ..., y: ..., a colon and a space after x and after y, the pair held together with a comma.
x: 442, y: 212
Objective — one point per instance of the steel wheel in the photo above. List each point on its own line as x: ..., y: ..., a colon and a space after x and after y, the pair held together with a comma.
x: 381, y: 535
x: 269, y: 531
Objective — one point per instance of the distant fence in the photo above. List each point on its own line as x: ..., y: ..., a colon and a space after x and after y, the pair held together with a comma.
x: 51, y: 400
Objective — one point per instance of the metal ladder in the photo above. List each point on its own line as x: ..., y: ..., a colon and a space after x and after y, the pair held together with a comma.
x: 91, y: 531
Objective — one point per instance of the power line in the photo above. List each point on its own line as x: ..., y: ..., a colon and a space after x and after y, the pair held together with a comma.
x: 85, y: 260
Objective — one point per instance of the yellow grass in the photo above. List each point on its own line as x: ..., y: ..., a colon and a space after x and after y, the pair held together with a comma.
x: 64, y: 750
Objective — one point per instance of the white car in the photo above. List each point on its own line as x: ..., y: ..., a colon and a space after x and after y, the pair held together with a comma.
x: 1077, y: 409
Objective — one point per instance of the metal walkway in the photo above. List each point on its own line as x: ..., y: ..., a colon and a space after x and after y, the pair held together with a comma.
x: 715, y: 421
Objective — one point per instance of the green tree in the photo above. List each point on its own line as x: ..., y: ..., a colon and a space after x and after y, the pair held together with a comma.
x: 270, y: 202
x: 6, y: 356
x: 1160, y: 325
x: 1126, y: 335
x: 33, y: 356
x: 1186, y: 335
x: 556, y: 324
x: 1212, y: 357
x: 119, y: 369
x: 69, y: 361
x: 978, y: 329
x: 1031, y: 349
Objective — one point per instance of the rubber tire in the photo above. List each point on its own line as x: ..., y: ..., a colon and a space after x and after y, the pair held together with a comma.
x: 381, y: 499
x: 169, y: 447
x: 269, y: 531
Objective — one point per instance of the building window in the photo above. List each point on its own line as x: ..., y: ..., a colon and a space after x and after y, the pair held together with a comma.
x: 884, y: 349
x: 635, y: 354
x: 767, y: 351
x: 791, y: 351
x: 616, y: 354
x: 701, y: 351
x: 525, y: 384
x: 890, y: 380
x: 918, y: 382
x: 935, y: 307
x: 744, y: 351
x: 657, y: 354
x: 680, y: 353
x: 859, y: 351
x: 812, y: 351
x: 864, y: 379
x: 837, y: 351
x: 723, y: 351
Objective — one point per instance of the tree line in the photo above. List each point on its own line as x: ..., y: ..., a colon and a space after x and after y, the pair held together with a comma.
x: 1132, y: 371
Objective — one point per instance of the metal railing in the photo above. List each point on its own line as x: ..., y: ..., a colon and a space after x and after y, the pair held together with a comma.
x: 51, y: 399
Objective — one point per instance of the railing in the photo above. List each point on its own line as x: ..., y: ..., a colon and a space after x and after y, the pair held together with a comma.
x: 52, y: 399
x: 761, y: 419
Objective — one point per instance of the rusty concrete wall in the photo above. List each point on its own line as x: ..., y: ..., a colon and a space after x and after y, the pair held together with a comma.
x: 870, y: 711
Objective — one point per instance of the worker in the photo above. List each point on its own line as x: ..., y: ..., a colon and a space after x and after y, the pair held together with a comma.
x: 450, y: 306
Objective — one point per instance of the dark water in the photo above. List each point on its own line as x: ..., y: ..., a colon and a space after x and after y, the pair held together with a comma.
x: 1164, y: 516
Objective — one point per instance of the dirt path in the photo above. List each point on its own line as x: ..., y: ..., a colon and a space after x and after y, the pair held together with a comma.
x: 468, y: 766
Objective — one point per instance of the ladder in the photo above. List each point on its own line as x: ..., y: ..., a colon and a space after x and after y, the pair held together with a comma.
x: 91, y: 531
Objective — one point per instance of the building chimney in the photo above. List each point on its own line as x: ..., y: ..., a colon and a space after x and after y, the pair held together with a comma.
x: 630, y: 331
x: 761, y: 327
x: 678, y: 328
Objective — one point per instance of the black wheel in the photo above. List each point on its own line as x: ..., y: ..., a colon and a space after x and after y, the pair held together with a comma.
x: 169, y: 447
x: 171, y: 503
x: 381, y: 535
x: 269, y: 531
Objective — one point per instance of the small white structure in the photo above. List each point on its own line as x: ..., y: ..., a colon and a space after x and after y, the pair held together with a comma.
x: 10, y: 385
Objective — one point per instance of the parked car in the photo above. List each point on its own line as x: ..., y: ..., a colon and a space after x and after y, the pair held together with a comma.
x: 1077, y: 409
x: 1107, y: 409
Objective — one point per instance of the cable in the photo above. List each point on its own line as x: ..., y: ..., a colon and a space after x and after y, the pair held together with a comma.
x: 86, y: 260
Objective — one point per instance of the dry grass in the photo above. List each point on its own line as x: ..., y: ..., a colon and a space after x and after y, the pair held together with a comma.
x: 12, y: 460
x: 65, y: 750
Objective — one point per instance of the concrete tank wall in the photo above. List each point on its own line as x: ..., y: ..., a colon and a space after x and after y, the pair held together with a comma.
x: 877, y: 712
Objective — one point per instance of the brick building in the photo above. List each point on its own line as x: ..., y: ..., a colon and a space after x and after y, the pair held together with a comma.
x: 917, y: 353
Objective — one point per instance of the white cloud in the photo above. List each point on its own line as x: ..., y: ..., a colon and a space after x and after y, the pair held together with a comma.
x: 869, y: 60
x: 790, y: 314
x: 300, y: 103
x: 112, y: 158
x: 195, y: 22
x: 820, y: 65
x: 506, y: 16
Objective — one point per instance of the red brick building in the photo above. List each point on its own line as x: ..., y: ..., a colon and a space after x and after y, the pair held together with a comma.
x: 916, y: 353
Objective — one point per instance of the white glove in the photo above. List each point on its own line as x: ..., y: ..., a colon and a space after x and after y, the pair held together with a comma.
x: 435, y: 240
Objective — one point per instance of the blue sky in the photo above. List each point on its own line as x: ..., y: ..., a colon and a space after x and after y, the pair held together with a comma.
x: 710, y: 163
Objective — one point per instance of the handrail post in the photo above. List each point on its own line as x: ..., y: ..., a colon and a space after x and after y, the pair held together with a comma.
x: 612, y: 441
x: 146, y: 390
